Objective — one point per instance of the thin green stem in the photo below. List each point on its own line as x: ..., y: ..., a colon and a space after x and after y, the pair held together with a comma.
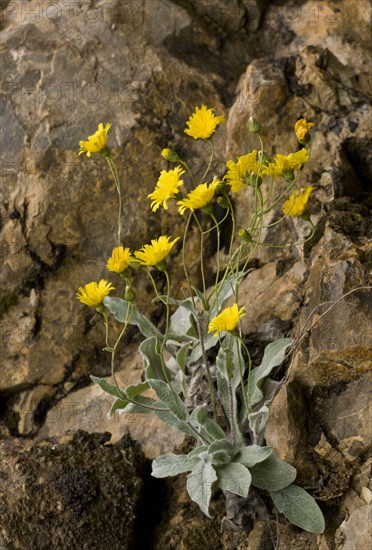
x: 247, y: 403
x: 201, y: 252
x: 115, y: 175
x: 218, y: 256
x: 241, y: 372
x: 184, y: 163
x: 210, y: 161
x: 231, y: 412
x: 184, y: 258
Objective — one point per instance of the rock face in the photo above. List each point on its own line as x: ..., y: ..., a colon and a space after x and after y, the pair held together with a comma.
x: 143, y: 65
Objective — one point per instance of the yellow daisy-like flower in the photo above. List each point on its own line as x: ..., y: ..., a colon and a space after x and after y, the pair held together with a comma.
x: 202, y: 123
x: 93, y: 294
x: 302, y: 128
x: 166, y: 188
x: 286, y: 164
x: 198, y: 197
x: 119, y: 260
x: 227, y: 320
x: 297, y: 202
x: 239, y: 172
x: 156, y: 252
x: 97, y: 142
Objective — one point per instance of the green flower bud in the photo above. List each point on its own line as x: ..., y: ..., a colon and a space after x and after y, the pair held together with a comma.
x: 254, y: 127
x: 288, y: 175
x: 170, y: 155
x: 129, y: 294
x: 252, y: 179
x: 222, y: 201
x: 245, y: 235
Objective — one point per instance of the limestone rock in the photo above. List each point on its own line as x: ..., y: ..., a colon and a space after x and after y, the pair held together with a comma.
x: 355, y: 531
x: 87, y: 409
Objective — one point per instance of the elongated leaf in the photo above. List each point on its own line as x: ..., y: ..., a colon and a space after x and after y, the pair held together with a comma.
x: 117, y: 405
x: 252, y: 455
x: 136, y: 389
x: 119, y: 309
x: 152, y: 364
x: 133, y: 391
x: 172, y: 465
x: 299, y: 508
x: 257, y: 423
x: 143, y: 405
x: 273, y: 357
x: 107, y: 387
x: 235, y: 478
x: 169, y: 418
x: 181, y: 356
x: 181, y: 322
x: 200, y: 485
x: 169, y: 398
x: 225, y: 362
x: 205, y: 424
x: 273, y: 474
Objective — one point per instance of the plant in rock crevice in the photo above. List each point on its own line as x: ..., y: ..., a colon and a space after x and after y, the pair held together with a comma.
x: 229, y: 425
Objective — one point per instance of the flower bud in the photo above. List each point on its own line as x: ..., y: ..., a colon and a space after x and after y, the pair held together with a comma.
x: 302, y: 131
x: 254, y: 127
x: 245, y: 235
x: 252, y: 179
x: 288, y: 175
x: 170, y: 155
x: 129, y: 294
x: 222, y: 202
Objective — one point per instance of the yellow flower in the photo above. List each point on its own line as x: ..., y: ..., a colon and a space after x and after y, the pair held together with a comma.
x: 156, y: 252
x: 227, y: 320
x: 239, y: 172
x: 93, y: 294
x: 97, y: 142
x: 198, y: 197
x: 119, y: 260
x: 297, y: 203
x: 302, y: 130
x: 202, y: 123
x: 166, y: 188
x: 286, y: 164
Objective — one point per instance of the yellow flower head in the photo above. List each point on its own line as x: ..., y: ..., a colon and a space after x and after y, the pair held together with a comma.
x: 119, y: 260
x: 156, y: 252
x: 297, y: 202
x: 239, y: 172
x: 166, y: 188
x: 286, y: 163
x: 302, y: 130
x: 93, y: 294
x: 227, y: 320
x: 202, y: 123
x: 97, y: 142
x: 198, y: 197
